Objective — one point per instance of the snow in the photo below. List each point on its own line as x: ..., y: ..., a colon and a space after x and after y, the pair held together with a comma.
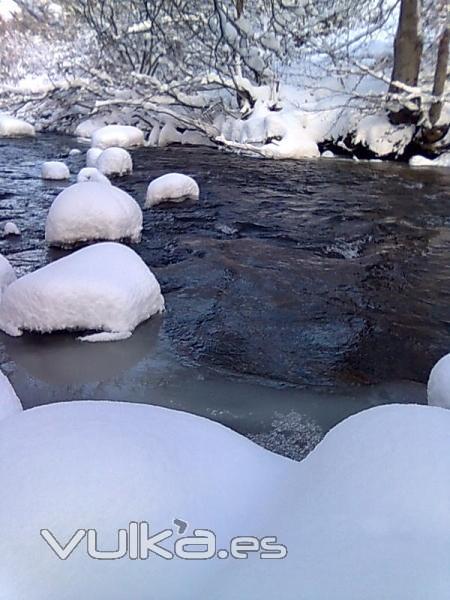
x: 115, y: 161
x: 9, y: 402
x: 365, y: 515
x: 293, y: 146
x: 91, y: 174
x: 105, y: 288
x: 12, y: 127
x: 173, y: 187
x: 379, y: 135
x: 74, y: 152
x: 169, y: 135
x: 55, y: 170
x: 327, y: 154
x: 9, y: 9
x: 439, y: 383
x: 421, y: 161
x: 11, y: 228
x: 122, y: 136
x: 92, y: 156
x: 7, y: 274
x: 87, y: 128
x: 90, y: 211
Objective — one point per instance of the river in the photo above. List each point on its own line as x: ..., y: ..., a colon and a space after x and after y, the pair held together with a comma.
x: 297, y: 293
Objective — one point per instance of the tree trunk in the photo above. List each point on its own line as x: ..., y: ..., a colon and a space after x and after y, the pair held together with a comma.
x: 239, y: 7
x: 440, y: 76
x: 407, y: 56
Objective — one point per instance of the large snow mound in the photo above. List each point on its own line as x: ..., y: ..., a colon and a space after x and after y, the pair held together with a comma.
x: 105, y: 287
x: 7, y: 274
x: 439, y: 383
x: 114, y: 161
x: 93, y: 211
x: 12, y: 127
x: 122, y: 136
x: 173, y: 187
x: 9, y: 402
x: 56, y: 170
x: 92, y: 174
x: 365, y: 515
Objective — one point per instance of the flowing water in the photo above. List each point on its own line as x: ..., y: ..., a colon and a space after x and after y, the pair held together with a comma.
x: 297, y: 293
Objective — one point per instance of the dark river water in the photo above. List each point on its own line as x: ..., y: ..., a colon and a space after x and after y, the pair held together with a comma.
x: 297, y: 293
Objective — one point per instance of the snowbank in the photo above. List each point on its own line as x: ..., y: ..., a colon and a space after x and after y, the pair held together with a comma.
x: 92, y: 156
x: 105, y: 287
x: 421, y: 161
x: 174, y: 187
x: 122, y: 136
x: 169, y: 135
x: 7, y: 274
x: 92, y: 174
x: 439, y: 383
x: 9, y: 402
x: 55, y: 170
x: 11, y: 228
x: 115, y: 161
x: 381, y: 137
x: 93, y: 211
x: 12, y: 127
x: 366, y: 515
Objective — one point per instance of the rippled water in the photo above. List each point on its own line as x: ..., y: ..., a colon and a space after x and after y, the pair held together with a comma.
x: 297, y: 292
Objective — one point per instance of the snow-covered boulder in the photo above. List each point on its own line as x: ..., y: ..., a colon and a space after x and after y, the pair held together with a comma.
x: 74, y: 152
x: 11, y: 228
x: 169, y: 135
x: 7, y: 274
x: 421, y: 161
x: 327, y: 154
x: 115, y: 161
x: 364, y: 516
x: 378, y: 134
x: 122, y: 136
x: 12, y: 127
x: 56, y: 170
x: 9, y: 402
x: 439, y: 383
x: 292, y: 146
x: 173, y: 187
x: 93, y: 211
x: 92, y: 156
x: 87, y: 128
x: 92, y: 174
x: 105, y: 288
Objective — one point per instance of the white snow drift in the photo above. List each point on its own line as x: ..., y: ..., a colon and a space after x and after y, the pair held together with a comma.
x: 56, y: 170
x: 365, y: 516
x: 122, y: 136
x: 114, y: 161
x: 105, y: 287
x: 92, y: 156
x: 9, y: 402
x: 421, y: 161
x: 93, y: 211
x: 92, y: 174
x: 173, y: 187
x: 439, y: 383
x: 12, y: 127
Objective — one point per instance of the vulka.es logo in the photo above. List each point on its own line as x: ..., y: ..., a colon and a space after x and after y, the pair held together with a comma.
x: 136, y: 543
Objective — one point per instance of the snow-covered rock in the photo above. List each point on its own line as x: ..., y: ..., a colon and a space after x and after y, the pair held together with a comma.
x: 105, y: 287
x: 92, y: 174
x: 173, y: 187
x: 11, y: 228
x: 74, y: 152
x: 115, y: 161
x: 56, y: 170
x: 365, y: 516
x: 439, y: 383
x: 327, y: 154
x: 421, y: 161
x: 87, y: 128
x: 292, y: 146
x: 169, y: 135
x: 195, y: 138
x: 379, y: 135
x: 121, y: 136
x: 12, y: 127
x: 9, y: 402
x: 93, y: 211
x: 92, y: 156
x: 7, y: 274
